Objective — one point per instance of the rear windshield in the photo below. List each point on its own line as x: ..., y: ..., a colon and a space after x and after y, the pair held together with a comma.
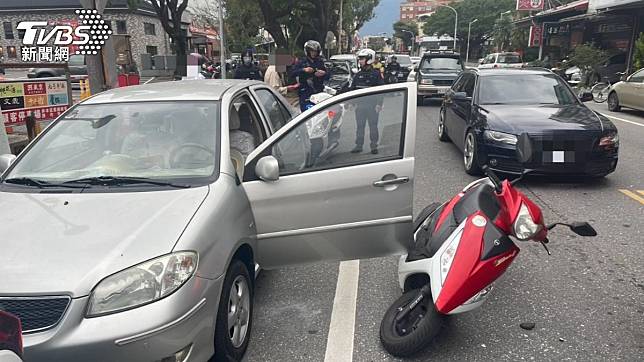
x: 403, y: 60
x: 441, y: 64
x: 508, y: 58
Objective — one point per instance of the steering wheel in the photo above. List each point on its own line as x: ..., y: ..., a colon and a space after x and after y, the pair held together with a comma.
x: 176, y: 151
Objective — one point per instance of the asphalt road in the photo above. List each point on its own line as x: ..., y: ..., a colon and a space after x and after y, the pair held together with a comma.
x: 587, y: 299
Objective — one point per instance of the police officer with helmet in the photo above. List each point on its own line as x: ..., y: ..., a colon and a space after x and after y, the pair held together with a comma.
x: 248, y: 69
x: 310, y: 72
x: 367, y: 111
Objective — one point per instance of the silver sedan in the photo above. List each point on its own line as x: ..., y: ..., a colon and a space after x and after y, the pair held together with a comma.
x: 132, y: 226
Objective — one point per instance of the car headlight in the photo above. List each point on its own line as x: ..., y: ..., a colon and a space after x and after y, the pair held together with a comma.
x: 501, y: 137
x: 426, y: 81
x: 142, y: 284
x: 524, y: 226
x: 611, y: 140
x: 448, y: 256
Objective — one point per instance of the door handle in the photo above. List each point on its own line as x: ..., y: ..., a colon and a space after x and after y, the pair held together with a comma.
x: 395, y: 181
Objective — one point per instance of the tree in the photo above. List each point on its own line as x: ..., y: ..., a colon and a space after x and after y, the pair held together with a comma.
x: 486, y: 11
x: 169, y: 13
x: 638, y: 54
x: 242, y: 21
x: 586, y: 56
x: 356, y: 13
x: 402, y: 30
x: 502, y: 33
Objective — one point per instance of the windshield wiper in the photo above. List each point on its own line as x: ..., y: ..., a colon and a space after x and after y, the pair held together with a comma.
x: 28, y: 181
x: 123, y: 180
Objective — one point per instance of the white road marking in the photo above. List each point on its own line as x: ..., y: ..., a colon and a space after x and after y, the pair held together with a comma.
x: 149, y: 80
x: 624, y: 120
x: 339, y: 345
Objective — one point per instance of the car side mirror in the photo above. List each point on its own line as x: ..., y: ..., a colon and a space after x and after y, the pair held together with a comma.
x: 582, y: 229
x: 481, y: 61
x: 267, y: 169
x: 6, y: 161
x: 416, y: 69
x: 461, y: 96
x: 624, y: 78
x: 586, y: 96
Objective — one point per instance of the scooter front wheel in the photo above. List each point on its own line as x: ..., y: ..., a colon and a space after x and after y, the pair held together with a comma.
x: 410, y: 335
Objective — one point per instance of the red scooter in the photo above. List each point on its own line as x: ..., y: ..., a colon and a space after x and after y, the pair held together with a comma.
x: 458, y: 250
x: 10, y: 338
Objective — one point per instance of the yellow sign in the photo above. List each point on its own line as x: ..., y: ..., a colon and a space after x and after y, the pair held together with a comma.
x: 36, y: 101
x: 10, y: 90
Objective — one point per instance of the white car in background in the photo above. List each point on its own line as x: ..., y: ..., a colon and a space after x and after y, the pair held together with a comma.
x: 501, y: 60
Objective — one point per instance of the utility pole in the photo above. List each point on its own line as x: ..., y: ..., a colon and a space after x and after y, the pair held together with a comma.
x: 455, y: 23
x: 100, y: 67
x: 222, y: 42
x: 469, y: 29
x: 340, y: 30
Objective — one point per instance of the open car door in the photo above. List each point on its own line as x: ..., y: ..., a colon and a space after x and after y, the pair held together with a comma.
x: 315, y: 200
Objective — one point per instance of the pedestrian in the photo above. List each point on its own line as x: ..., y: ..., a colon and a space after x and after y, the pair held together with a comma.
x: 248, y: 70
x: 367, y: 111
x: 273, y: 79
x: 310, y: 73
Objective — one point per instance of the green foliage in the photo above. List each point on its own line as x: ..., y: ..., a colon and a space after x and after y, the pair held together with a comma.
x: 407, y: 26
x: 638, y: 54
x: 586, y: 56
x: 486, y: 11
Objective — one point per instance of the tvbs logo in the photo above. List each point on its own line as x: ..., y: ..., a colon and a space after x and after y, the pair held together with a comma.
x: 36, y: 34
x: 87, y: 37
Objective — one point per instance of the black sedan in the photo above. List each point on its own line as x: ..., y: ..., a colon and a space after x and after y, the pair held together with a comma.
x: 526, y: 119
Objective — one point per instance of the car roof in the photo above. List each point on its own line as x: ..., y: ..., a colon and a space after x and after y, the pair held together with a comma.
x: 509, y: 71
x: 184, y: 90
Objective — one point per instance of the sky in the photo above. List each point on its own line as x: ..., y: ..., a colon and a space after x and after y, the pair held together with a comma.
x: 387, y: 13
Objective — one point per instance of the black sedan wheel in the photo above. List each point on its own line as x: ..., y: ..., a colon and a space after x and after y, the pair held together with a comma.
x: 470, y: 156
x: 613, y: 102
x: 442, y: 131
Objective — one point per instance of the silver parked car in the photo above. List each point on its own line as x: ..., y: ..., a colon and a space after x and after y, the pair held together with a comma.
x: 132, y: 226
x: 628, y: 93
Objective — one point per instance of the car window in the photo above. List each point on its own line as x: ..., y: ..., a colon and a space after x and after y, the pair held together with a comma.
x: 468, y: 84
x: 524, y: 89
x: 329, y: 135
x: 276, y: 112
x: 404, y: 60
x: 489, y: 59
x: 637, y: 77
x: 76, y: 60
x: 160, y: 140
x: 458, y: 83
x: 441, y: 64
x: 508, y: 58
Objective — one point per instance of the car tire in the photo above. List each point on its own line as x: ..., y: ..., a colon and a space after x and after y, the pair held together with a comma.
x: 613, y: 102
x: 229, y: 348
x: 419, y: 338
x: 442, y: 130
x: 420, y: 100
x: 470, y: 154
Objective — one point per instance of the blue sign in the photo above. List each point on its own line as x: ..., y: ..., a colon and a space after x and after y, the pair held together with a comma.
x: 56, y: 99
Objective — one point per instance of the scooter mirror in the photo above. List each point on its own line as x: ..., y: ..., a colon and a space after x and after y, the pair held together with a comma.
x: 582, y: 229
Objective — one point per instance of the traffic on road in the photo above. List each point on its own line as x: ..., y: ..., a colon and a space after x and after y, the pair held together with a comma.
x: 195, y: 196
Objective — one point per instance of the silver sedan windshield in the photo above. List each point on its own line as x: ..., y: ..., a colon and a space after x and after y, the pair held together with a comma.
x: 157, y: 140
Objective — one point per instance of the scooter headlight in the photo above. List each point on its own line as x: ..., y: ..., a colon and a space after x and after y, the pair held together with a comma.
x: 448, y: 256
x: 317, y: 126
x: 524, y: 226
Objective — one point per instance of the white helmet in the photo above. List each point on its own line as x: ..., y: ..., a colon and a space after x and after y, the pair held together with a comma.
x: 367, y: 53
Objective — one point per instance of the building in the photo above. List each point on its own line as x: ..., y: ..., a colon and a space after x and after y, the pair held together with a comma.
x: 136, y: 32
x: 410, y: 10
x: 613, y: 25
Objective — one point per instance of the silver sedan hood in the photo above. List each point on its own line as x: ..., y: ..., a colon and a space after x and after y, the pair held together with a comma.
x: 66, y: 243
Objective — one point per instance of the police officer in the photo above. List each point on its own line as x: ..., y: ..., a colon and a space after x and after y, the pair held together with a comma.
x: 393, y: 66
x: 367, y: 111
x: 310, y: 72
x: 248, y: 69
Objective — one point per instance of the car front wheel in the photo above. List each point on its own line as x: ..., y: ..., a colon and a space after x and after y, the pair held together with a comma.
x: 613, y: 102
x: 234, y: 317
x: 442, y: 131
x: 470, y: 154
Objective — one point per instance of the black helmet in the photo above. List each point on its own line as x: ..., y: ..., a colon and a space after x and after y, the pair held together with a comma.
x: 312, y: 45
x: 393, y: 58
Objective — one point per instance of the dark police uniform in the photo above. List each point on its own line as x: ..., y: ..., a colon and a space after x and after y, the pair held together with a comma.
x: 309, y: 82
x: 366, y: 110
x: 251, y: 71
